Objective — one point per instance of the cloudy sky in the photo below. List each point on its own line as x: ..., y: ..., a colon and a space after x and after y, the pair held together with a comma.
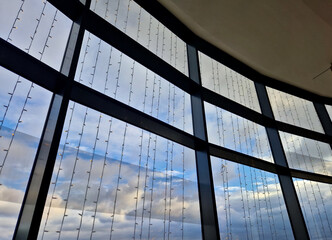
x: 110, y: 175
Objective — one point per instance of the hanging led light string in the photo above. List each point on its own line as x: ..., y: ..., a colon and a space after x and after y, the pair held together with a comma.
x: 238, y: 167
x: 216, y: 87
x: 166, y: 167
x: 55, y: 182
x: 156, y: 138
x: 250, y: 149
x: 309, y: 119
x: 183, y: 166
x: 12, y: 93
x: 71, y: 185
x: 245, y: 124
x: 253, y: 174
x: 145, y: 186
x: 154, y: 160
x: 67, y: 131
x: 298, y: 161
x: 126, y: 126
x: 277, y: 189
x: 260, y: 151
x: 141, y: 143
x: 171, y: 167
x: 109, y: 64
x: 312, y: 167
x: 279, y: 109
x: 227, y: 185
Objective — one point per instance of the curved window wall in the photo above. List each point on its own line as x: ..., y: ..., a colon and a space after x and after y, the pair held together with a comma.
x: 149, y: 134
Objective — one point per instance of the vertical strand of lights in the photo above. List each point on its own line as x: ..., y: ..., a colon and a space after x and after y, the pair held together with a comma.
x: 259, y: 219
x: 141, y: 144
x: 250, y: 149
x: 304, y: 185
x: 12, y: 93
x: 172, y: 144
x: 156, y: 138
x: 183, y: 168
x: 266, y: 184
x: 87, y: 187
x: 309, y: 119
x: 224, y: 165
x: 238, y: 166
x: 299, y: 162
x: 287, y: 145
x: 228, y: 194
x: 126, y: 126
x: 167, y: 165
x: 266, y: 192
x: 145, y: 186
x: 183, y: 153
x: 71, y: 185
x: 245, y: 126
x: 260, y: 151
x: 67, y: 131
x: 171, y: 173
x: 166, y: 160
x: 270, y: 204
x: 306, y: 167
x: 55, y: 182
x: 280, y: 203
x: 108, y: 135
x: 312, y: 166
x: 220, y: 130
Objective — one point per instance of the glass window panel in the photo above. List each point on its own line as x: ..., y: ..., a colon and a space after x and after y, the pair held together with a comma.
x: 35, y: 27
x: 23, y: 109
x: 113, y: 180
x: 221, y: 79
x: 294, y: 110
x: 231, y: 131
x: 307, y: 154
x: 138, y: 24
x: 250, y: 203
x: 316, y: 202
x: 329, y: 110
x: 111, y: 72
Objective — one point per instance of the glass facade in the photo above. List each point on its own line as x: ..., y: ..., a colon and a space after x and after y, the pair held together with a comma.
x: 101, y: 145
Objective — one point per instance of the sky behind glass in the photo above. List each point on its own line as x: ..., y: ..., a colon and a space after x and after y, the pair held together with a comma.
x: 110, y: 175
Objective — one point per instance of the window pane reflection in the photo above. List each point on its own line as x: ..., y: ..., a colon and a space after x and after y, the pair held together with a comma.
x: 115, y: 181
x: 221, y: 79
x: 35, y: 27
x: 130, y: 18
x: 307, y: 154
x: 109, y: 71
x: 231, y: 131
x: 316, y: 203
x: 250, y: 203
x: 294, y: 110
x: 23, y: 109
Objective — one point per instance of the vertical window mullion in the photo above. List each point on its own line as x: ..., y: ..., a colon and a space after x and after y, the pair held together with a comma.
x: 209, y: 219
x: 34, y: 200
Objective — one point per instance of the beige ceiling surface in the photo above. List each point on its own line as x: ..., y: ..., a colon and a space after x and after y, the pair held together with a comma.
x: 289, y: 40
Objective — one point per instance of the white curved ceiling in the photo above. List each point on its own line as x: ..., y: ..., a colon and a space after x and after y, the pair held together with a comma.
x: 290, y: 41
